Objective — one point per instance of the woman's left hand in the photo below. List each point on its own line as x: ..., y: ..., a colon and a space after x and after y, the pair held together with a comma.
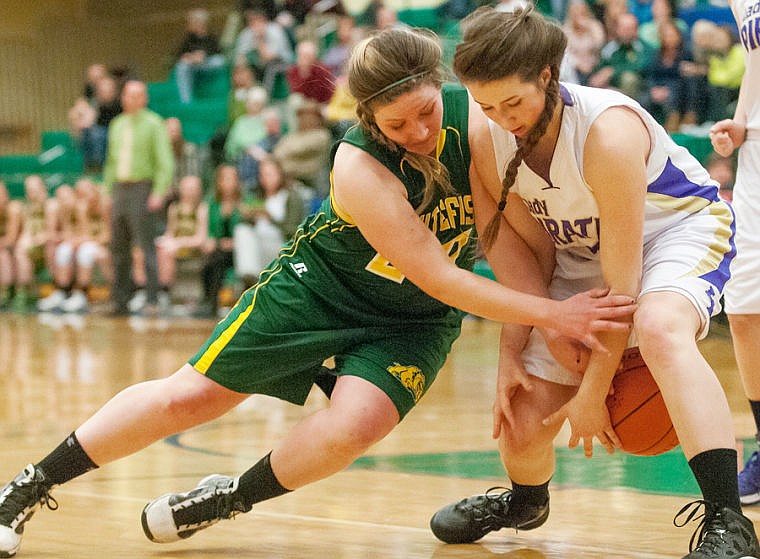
x: 588, y: 418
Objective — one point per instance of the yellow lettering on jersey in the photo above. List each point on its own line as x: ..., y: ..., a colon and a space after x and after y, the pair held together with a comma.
x: 380, y: 266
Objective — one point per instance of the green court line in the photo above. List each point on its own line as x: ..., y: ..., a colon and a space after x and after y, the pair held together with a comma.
x: 667, y: 474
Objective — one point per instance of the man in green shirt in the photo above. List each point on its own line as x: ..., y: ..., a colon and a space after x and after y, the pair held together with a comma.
x: 138, y: 171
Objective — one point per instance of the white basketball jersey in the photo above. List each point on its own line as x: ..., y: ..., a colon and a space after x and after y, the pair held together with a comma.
x: 677, y: 185
x: 747, y: 14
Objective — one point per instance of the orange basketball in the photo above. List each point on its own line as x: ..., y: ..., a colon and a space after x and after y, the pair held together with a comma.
x: 637, y: 410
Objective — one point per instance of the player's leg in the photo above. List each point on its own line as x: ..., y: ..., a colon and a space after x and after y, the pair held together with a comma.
x: 359, y: 415
x: 527, y: 452
x: 667, y: 325
x: 745, y: 333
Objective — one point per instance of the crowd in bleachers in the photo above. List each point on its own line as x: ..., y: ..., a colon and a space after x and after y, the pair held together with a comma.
x: 250, y: 115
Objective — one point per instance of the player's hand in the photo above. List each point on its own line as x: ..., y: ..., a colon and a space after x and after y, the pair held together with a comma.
x: 512, y: 377
x: 568, y: 352
x: 727, y: 135
x: 588, y: 419
x: 592, y: 311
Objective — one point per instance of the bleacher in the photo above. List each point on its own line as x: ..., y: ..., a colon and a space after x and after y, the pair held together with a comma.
x: 59, y: 160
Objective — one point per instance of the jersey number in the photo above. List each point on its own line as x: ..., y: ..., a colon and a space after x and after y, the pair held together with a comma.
x: 380, y: 266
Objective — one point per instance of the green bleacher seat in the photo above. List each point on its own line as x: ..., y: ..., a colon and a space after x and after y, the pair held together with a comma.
x: 51, y: 138
x: 22, y: 163
x: 160, y: 93
x: 200, y: 119
x: 420, y: 17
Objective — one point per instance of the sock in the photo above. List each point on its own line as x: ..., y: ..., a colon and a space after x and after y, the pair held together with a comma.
x: 530, y: 494
x: 755, y: 405
x: 67, y: 461
x: 259, y: 483
x: 715, y: 471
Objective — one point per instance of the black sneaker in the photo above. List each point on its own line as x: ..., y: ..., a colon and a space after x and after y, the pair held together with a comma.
x: 176, y: 516
x: 19, y: 500
x: 472, y: 518
x: 720, y: 534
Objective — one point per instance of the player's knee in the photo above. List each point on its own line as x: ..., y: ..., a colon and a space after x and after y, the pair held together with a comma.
x: 657, y: 332
x: 525, y: 438
x: 353, y: 436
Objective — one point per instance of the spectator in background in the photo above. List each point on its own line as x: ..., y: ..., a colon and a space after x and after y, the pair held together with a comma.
x: 246, y: 132
x: 189, y: 158
x: 93, y: 74
x: 304, y: 152
x: 185, y: 236
x: 672, y: 97
x: 266, y: 221
x: 335, y: 57
x: 198, y: 53
x: 93, y: 211
x: 585, y: 38
x: 340, y: 113
x: 138, y: 172
x: 10, y: 227
x: 724, y: 74
x: 61, y: 243
x: 255, y: 153
x: 223, y: 216
x: 386, y: 18
x: 29, y: 253
x: 610, y: 10
x: 662, y: 12
x: 623, y: 60
x: 265, y: 47
x: 308, y: 76
x: 93, y: 138
x: 243, y: 81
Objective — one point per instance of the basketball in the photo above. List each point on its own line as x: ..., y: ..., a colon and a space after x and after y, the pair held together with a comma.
x: 637, y: 409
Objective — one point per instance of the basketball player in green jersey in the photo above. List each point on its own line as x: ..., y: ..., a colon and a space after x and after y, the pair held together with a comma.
x: 374, y: 279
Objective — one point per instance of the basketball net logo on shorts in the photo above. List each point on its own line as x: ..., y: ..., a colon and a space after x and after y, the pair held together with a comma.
x: 410, y: 377
x: 299, y: 268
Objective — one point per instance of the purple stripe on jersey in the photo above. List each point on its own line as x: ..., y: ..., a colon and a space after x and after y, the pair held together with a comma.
x: 564, y: 94
x: 721, y: 274
x: 673, y: 182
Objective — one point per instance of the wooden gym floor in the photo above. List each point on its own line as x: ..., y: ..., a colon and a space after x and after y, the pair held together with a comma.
x: 57, y: 370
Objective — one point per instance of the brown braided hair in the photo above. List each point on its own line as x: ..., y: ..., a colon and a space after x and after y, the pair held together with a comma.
x: 496, y: 45
x: 412, y: 58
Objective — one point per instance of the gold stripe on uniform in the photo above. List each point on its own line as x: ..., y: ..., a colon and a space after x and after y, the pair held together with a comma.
x: 721, y: 243
x: 208, y: 357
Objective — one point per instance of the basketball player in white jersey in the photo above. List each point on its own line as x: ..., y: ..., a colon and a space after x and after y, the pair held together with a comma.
x: 593, y: 184
x: 742, y: 294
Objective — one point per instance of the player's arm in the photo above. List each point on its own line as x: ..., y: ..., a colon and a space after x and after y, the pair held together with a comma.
x: 614, y: 166
x: 376, y: 201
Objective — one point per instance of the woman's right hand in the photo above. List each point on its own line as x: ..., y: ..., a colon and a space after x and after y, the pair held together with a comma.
x: 511, y: 377
x: 592, y: 311
x: 727, y: 135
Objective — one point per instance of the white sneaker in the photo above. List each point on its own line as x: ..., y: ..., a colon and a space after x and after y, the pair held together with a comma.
x: 177, y: 516
x: 52, y: 301
x: 75, y: 303
x: 137, y: 302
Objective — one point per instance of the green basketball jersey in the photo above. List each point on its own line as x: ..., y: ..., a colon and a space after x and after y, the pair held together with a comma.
x: 334, y: 253
x: 330, y: 294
